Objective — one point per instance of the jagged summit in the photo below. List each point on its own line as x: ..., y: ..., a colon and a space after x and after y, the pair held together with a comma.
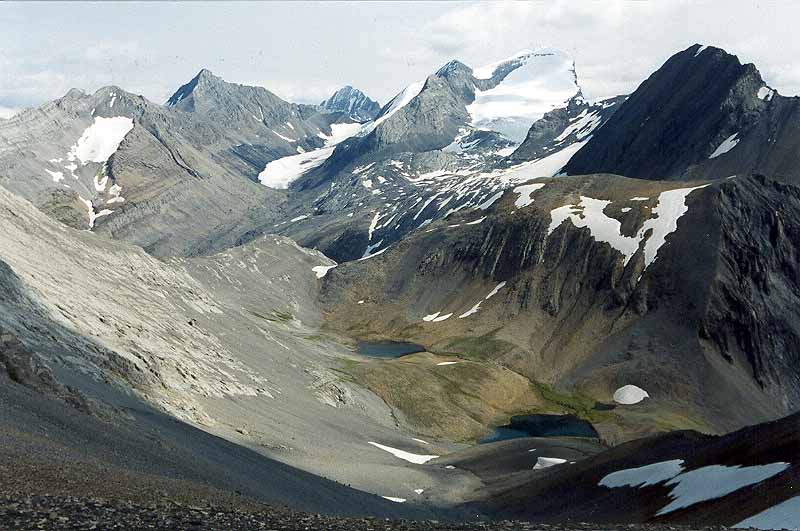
x: 693, y: 116
x: 352, y: 102
x: 203, y: 76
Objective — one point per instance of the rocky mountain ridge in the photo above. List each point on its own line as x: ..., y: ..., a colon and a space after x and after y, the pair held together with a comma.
x: 352, y: 102
x: 702, y: 115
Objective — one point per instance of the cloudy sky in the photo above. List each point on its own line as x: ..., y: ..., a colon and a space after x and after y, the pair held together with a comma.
x: 304, y: 51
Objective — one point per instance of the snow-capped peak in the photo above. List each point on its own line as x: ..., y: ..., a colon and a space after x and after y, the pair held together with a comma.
x: 487, y: 71
x: 523, y: 88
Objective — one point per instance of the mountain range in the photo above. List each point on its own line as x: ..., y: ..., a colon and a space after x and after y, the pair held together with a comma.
x: 201, y: 279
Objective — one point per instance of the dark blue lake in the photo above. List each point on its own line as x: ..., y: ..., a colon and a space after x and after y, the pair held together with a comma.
x: 542, y: 426
x: 387, y: 349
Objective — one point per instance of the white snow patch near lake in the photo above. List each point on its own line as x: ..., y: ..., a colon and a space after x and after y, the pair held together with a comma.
x: 715, y: 481
x: 727, y: 145
x: 441, y: 318
x: 321, y: 271
x: 298, y: 218
x: 101, y: 139
x: 643, y: 476
x: 630, y: 394
x: 393, y: 499
x: 547, y: 462
x: 525, y: 192
x: 418, y: 491
x: 640, y: 199
x: 406, y: 456
x: 785, y: 515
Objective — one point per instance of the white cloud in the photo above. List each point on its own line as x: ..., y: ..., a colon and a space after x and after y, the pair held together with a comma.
x: 616, y: 43
x: 304, y: 51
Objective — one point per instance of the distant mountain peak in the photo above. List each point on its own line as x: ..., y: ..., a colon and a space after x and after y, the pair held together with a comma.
x: 452, y: 66
x: 203, y: 77
x: 352, y: 102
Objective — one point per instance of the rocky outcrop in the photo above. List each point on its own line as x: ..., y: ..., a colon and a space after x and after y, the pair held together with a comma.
x: 352, y: 103
x: 562, y: 127
x: 751, y: 317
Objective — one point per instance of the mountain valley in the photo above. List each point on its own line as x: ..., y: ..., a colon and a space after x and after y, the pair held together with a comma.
x: 578, y: 311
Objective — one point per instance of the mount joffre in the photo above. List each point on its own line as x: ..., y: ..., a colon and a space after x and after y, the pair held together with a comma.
x: 185, y: 286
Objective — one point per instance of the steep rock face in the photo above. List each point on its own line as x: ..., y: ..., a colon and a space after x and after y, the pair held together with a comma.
x: 751, y: 316
x: 590, y: 284
x: 562, y: 127
x: 353, y: 103
x: 701, y: 115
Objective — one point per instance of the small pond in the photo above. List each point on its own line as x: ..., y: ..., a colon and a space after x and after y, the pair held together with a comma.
x: 387, y: 349
x: 542, y: 426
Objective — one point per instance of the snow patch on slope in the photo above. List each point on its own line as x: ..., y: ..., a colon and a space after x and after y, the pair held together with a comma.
x: 525, y: 192
x: 693, y: 486
x: 785, y: 515
x: 629, y: 395
x: 101, y: 139
x: 400, y: 101
x: 282, y: 172
x: 589, y: 213
x: 726, y: 145
x: 715, y: 481
x: 643, y: 476
x: 406, y: 456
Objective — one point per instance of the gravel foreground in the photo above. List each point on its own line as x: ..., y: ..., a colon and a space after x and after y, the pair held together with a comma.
x: 65, y: 512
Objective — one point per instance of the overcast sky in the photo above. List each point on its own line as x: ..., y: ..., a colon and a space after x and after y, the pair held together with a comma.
x: 303, y: 52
